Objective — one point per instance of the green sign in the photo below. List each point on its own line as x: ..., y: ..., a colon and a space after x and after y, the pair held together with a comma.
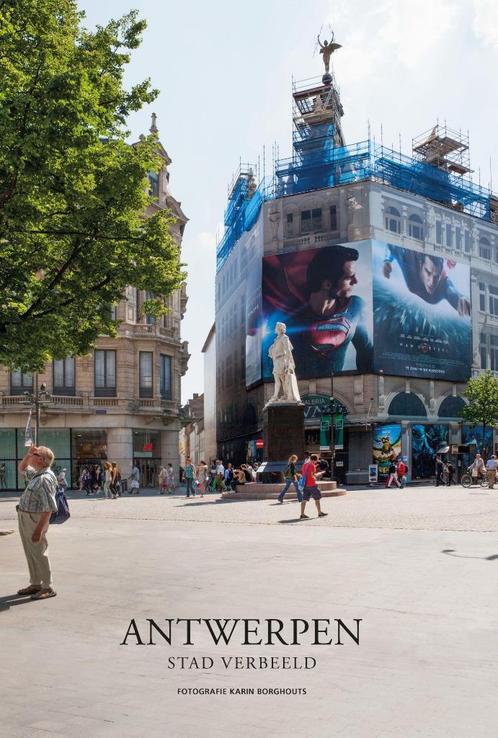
x: 325, y: 422
x: 339, y: 431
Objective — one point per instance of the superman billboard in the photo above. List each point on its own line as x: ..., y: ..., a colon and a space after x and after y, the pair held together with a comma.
x: 324, y: 296
x: 367, y: 307
x: 421, y: 304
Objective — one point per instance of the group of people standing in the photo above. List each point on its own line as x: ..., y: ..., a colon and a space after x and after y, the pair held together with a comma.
x: 218, y: 477
x: 95, y: 479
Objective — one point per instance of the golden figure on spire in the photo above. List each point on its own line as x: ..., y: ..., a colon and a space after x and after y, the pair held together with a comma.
x: 327, y: 49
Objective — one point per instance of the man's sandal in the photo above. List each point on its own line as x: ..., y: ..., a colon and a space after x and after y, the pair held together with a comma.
x: 32, y: 589
x: 43, y: 594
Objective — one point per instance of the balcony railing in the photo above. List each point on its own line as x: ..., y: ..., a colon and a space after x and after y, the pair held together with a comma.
x: 88, y: 404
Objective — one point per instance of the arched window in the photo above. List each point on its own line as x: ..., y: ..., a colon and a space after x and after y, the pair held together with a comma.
x: 484, y: 248
x: 451, y: 407
x: 416, y: 227
x: 409, y: 404
x: 393, y: 220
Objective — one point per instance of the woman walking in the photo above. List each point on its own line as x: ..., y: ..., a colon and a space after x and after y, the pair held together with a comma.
x: 201, y: 476
x: 290, y: 476
x: 170, y: 479
x: 163, y: 480
x: 108, y: 481
x: 115, y: 480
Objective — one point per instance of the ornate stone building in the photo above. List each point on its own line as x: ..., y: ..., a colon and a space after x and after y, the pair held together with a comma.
x: 122, y: 401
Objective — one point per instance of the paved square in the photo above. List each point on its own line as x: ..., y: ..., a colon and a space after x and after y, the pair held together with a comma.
x: 418, y: 566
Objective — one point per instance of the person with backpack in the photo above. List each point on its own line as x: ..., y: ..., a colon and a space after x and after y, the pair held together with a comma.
x: 290, y: 476
x: 35, y: 508
x: 393, y: 475
x: 310, y: 490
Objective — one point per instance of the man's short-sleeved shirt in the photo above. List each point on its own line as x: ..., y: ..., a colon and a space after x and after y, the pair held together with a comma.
x: 491, y: 464
x: 39, y: 495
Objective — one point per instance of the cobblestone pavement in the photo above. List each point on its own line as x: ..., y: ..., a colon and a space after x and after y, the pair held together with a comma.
x: 418, y: 567
x: 415, y: 508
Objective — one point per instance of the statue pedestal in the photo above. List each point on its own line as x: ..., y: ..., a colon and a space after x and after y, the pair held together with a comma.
x: 283, y: 435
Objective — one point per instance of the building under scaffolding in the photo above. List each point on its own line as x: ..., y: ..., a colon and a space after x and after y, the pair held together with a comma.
x: 438, y: 168
x: 405, y: 219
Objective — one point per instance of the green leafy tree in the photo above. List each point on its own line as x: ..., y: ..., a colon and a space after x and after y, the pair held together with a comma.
x: 482, y: 396
x: 73, y: 192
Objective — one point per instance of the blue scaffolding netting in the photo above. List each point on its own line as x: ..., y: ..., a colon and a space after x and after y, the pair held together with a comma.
x: 318, y: 163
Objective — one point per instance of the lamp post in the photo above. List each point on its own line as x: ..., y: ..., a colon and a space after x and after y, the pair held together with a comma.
x: 36, y: 400
x: 332, y: 427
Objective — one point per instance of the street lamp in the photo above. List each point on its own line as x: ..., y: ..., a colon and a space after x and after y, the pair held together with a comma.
x: 37, y: 399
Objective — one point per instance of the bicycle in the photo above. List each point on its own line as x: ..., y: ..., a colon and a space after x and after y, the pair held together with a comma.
x: 467, y: 480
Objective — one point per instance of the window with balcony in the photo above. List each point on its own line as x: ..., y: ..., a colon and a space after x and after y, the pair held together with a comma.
x: 467, y: 242
x: 165, y: 378
x: 289, y: 225
x: 416, y: 227
x: 105, y: 373
x: 439, y: 232
x: 493, y: 300
x: 482, y: 297
x: 449, y: 236
x: 484, y: 248
x: 63, y: 376
x: 20, y: 382
x: 393, y: 220
x: 145, y: 372
x: 334, y: 223
x: 311, y: 220
x: 493, y: 353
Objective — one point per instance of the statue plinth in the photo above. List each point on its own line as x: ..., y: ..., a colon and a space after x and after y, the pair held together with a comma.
x: 283, y: 432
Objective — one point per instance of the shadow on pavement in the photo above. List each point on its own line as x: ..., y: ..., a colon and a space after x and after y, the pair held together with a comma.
x: 452, y: 552
x: 8, y: 601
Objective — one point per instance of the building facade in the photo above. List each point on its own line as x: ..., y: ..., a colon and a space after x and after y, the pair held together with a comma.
x: 418, y: 318
x: 119, y: 403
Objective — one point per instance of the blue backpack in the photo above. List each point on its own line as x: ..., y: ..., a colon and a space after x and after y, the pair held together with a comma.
x: 62, y: 513
x: 302, y: 479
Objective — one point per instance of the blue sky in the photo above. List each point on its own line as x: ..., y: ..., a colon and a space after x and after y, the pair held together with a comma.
x: 224, y: 71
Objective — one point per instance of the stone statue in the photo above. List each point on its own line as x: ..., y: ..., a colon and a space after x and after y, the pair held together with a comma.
x: 327, y: 49
x: 280, y: 352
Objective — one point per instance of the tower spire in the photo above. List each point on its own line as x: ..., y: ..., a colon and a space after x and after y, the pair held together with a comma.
x: 153, y: 126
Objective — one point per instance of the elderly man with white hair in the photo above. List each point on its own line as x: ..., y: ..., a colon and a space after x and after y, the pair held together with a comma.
x: 36, y: 505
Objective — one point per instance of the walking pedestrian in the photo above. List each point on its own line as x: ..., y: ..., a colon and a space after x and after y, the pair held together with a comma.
x: 62, y: 481
x: 170, y: 479
x: 35, y: 507
x: 310, y: 487
x: 108, y: 493
x: 135, y: 479
x: 393, y: 475
x: 290, y: 476
x: 439, y: 471
x: 491, y: 465
x: 189, y: 477
x: 163, y: 480
x: 201, y: 476
x: 116, y: 480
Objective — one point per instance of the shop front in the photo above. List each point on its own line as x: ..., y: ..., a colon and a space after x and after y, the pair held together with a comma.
x: 73, y: 449
x: 147, y: 456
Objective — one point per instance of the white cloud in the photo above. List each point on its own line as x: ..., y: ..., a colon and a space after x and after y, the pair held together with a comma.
x: 485, y: 22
